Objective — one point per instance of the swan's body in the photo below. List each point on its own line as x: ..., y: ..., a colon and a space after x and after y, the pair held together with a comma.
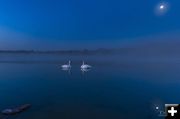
x: 85, y: 66
x: 67, y: 66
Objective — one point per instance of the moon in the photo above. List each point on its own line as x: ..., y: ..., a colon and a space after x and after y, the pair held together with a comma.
x: 161, y: 8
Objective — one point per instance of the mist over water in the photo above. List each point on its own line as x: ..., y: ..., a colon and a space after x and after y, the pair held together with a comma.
x: 116, y: 87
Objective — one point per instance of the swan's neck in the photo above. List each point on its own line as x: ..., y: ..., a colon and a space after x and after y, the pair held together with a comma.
x: 69, y: 62
x: 83, y: 63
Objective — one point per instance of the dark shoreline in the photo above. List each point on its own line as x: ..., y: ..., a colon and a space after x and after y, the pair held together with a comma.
x: 84, y: 51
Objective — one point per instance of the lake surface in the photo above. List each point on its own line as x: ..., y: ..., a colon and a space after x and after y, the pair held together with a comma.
x: 115, y: 87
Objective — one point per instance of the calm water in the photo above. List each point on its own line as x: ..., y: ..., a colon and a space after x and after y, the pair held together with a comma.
x: 115, y: 88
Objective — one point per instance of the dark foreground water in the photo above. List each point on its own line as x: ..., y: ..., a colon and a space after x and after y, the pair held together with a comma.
x: 115, y: 88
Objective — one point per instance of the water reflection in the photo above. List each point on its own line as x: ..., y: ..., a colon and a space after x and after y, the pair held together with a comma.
x: 119, y: 82
x: 66, y: 69
x: 85, y: 70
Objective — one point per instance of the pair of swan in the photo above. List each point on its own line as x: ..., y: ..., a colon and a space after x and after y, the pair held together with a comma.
x: 83, y: 66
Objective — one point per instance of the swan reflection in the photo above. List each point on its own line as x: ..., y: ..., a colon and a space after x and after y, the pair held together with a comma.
x: 85, y: 70
x: 66, y: 69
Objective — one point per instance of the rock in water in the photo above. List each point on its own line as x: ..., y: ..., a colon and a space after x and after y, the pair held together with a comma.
x: 16, y: 110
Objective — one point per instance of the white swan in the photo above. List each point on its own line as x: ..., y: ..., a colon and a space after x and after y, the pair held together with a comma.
x: 85, y: 66
x: 67, y: 66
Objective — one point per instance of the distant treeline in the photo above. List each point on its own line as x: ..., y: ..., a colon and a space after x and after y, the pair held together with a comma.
x: 84, y: 51
x: 158, y: 50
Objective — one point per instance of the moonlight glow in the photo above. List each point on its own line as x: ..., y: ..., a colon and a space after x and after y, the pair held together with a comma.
x: 162, y: 8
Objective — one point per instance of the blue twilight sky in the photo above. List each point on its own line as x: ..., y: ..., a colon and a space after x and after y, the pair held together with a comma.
x: 71, y: 24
